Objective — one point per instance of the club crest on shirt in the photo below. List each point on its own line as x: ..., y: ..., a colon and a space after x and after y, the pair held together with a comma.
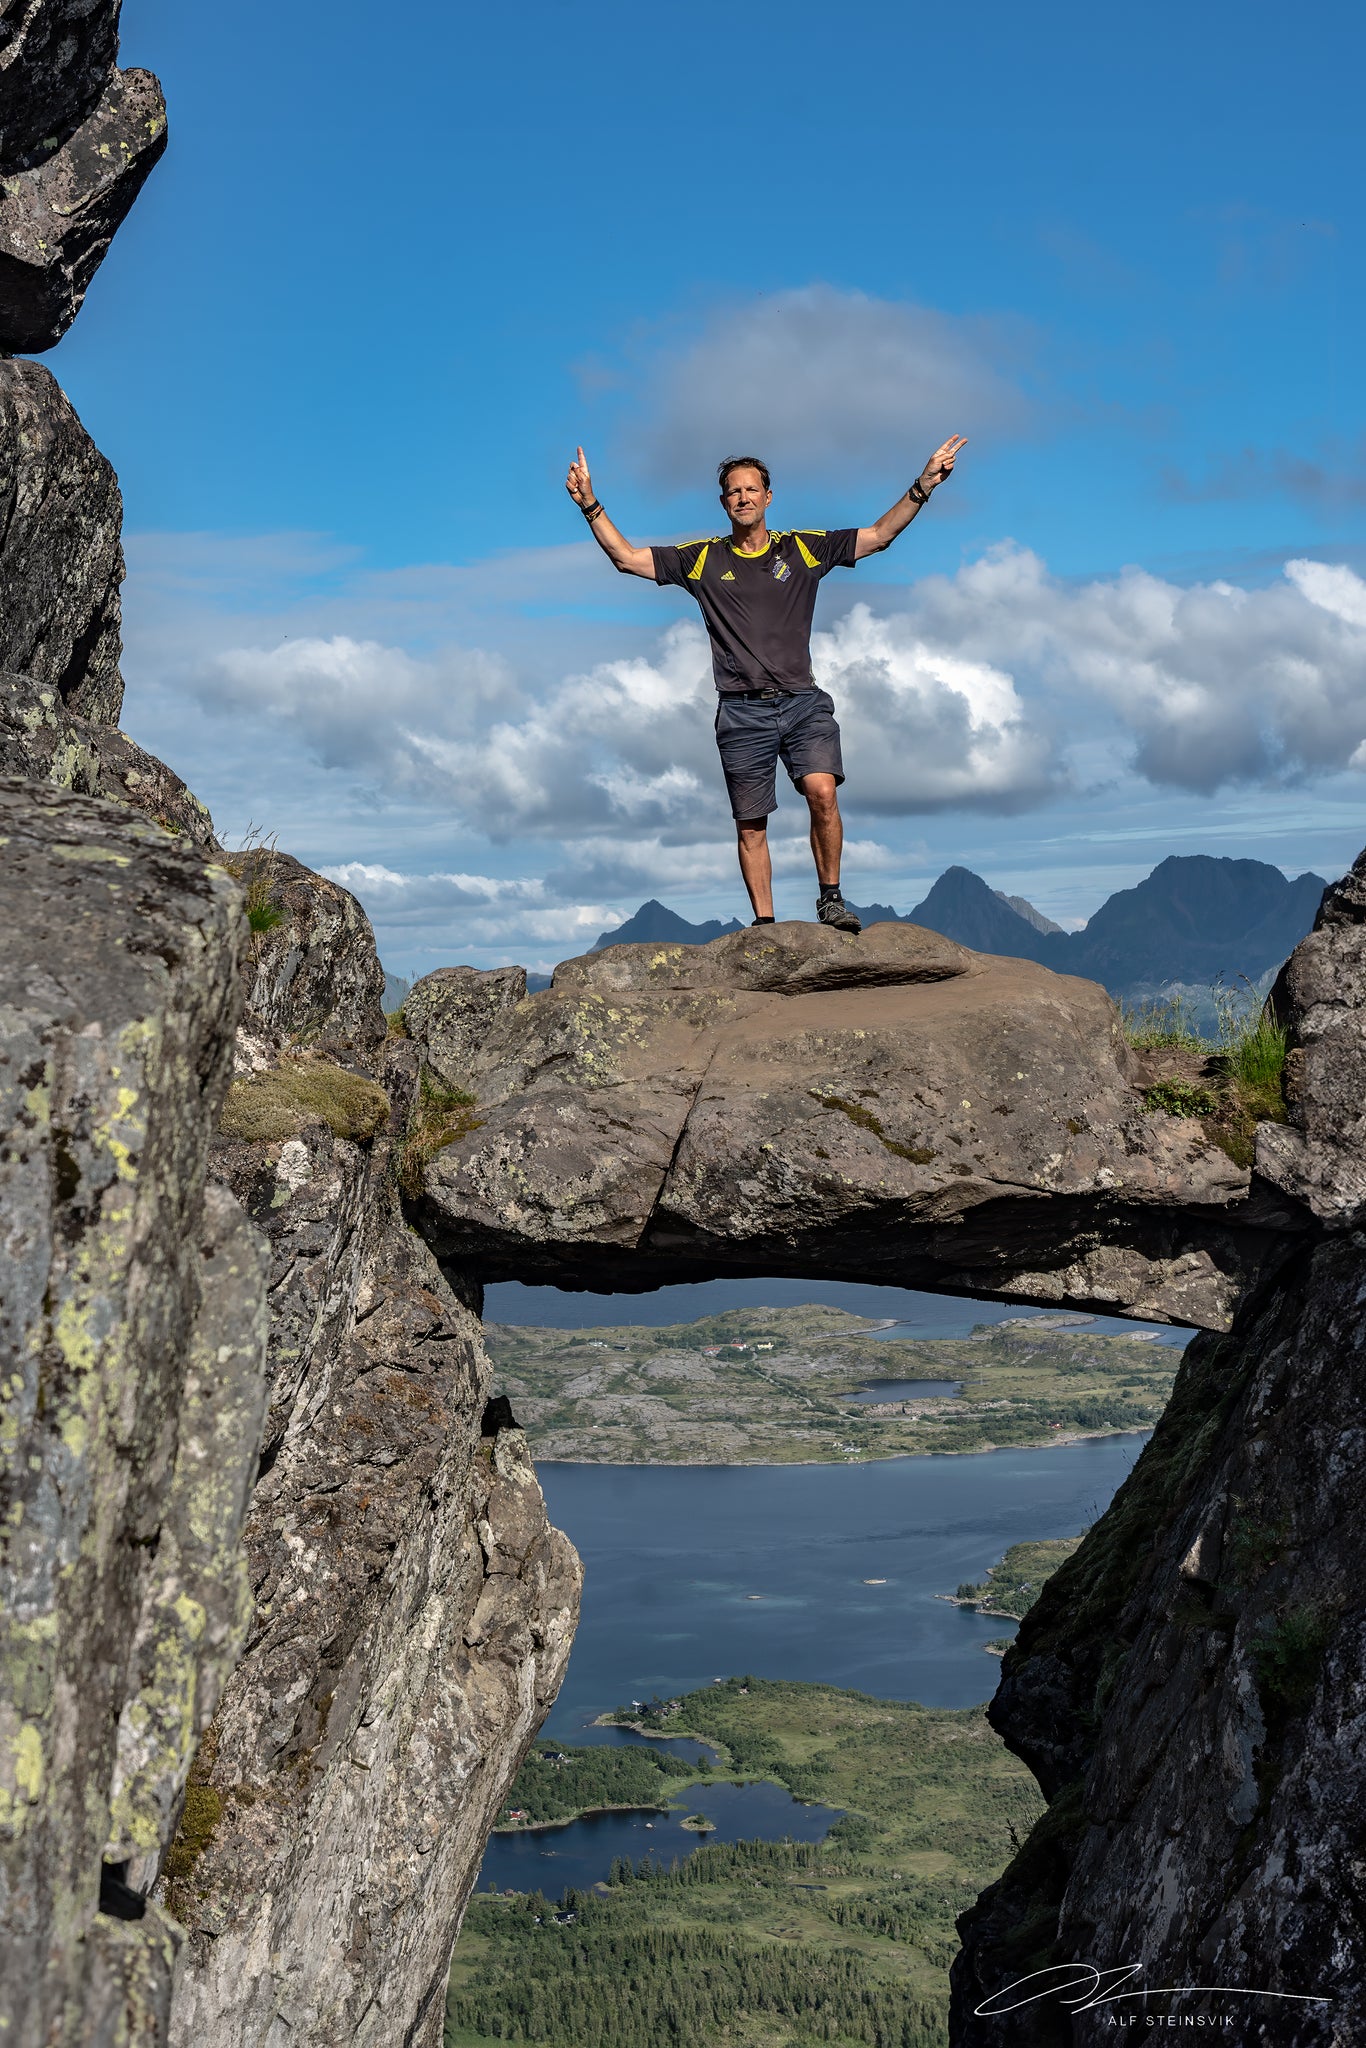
x: 781, y: 572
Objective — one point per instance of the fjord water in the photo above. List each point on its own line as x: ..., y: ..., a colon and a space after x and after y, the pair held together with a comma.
x: 693, y: 1573
x: 699, y: 1572
x: 696, y: 1572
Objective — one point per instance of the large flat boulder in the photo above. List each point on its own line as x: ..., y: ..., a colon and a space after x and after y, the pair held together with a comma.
x: 61, y: 555
x: 887, y: 1108
x: 132, y: 1335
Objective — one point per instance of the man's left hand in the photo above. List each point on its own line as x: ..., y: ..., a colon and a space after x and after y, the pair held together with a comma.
x: 941, y: 462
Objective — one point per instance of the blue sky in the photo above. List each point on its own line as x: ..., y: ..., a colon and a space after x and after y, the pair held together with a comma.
x: 390, y: 272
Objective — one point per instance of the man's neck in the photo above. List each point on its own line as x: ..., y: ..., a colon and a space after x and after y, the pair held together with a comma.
x: 750, y: 540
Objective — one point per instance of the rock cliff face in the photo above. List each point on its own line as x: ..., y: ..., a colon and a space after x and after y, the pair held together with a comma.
x: 40, y: 739
x: 133, y: 1380
x: 1190, y: 1687
x: 61, y: 557
x: 889, y: 1108
x: 414, y: 1610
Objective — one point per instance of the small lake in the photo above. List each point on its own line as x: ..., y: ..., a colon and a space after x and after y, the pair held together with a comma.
x: 548, y: 1859
x: 908, y: 1390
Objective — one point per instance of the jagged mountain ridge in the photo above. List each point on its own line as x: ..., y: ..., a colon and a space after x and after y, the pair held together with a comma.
x: 1197, y: 918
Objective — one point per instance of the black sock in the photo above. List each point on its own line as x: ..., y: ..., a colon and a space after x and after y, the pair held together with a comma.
x: 829, y: 890
x: 765, y: 920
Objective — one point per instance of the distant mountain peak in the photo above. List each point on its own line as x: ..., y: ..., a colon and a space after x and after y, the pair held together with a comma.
x: 1022, y: 907
x: 655, y: 924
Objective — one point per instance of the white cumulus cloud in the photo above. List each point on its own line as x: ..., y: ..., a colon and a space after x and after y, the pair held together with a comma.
x: 816, y: 380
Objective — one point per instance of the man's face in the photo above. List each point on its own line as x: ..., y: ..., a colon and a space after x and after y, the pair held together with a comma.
x: 746, y: 499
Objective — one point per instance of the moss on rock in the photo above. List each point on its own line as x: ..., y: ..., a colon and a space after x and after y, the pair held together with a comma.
x: 284, y: 1101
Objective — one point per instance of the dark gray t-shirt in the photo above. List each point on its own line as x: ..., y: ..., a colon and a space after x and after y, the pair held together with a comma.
x: 758, y: 608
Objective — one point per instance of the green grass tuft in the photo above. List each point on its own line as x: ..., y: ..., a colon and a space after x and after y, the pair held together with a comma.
x: 440, y: 1117
x: 1164, y: 1021
x: 262, y: 1108
x: 1288, y: 1658
x: 198, y: 1823
x: 1182, y: 1098
x: 251, y: 865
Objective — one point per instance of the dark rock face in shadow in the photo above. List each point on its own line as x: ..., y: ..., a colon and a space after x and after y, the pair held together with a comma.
x: 891, y: 1108
x: 66, y: 189
x: 55, y: 56
x: 1190, y: 1687
x: 61, y: 555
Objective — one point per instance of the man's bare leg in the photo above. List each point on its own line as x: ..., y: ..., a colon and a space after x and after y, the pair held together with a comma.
x: 755, y: 864
x: 827, y: 827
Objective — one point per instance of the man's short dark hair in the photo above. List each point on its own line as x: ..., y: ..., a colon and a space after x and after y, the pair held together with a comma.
x: 743, y: 462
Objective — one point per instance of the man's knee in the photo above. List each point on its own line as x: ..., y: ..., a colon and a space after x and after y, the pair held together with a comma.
x: 752, y: 828
x: 821, y: 793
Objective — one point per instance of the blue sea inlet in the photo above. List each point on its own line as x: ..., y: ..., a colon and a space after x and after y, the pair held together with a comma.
x: 825, y: 1573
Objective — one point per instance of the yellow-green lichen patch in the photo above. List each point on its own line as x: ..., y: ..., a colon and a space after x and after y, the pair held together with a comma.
x: 22, y: 1773
x: 262, y: 1108
x: 101, y: 854
x: 198, y: 1824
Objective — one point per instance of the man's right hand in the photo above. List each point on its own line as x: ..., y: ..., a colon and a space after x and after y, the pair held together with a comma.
x: 578, y: 483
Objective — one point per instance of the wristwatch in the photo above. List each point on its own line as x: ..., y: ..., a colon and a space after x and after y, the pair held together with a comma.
x: 918, y: 494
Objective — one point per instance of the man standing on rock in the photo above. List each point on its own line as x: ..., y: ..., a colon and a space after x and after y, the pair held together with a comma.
x: 757, y: 590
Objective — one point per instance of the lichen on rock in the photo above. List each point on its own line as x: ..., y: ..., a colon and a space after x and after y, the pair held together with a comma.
x: 133, y: 1388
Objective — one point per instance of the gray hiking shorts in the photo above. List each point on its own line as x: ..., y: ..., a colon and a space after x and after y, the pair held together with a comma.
x: 754, y: 733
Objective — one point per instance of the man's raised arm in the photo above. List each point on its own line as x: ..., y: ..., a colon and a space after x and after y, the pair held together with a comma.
x: 873, y: 539
x: 618, y: 550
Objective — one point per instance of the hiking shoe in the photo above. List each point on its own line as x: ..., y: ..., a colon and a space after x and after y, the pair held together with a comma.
x: 834, y: 910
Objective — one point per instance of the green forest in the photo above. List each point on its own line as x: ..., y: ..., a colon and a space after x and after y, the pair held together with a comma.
x: 763, y: 1945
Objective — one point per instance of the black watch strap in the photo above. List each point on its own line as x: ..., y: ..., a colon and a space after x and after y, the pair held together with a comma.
x: 918, y: 494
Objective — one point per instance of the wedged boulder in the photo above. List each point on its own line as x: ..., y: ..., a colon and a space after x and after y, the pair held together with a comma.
x: 58, y: 217
x: 133, y: 1388
x: 54, y: 58
x: 312, y: 972
x: 41, y: 739
x: 413, y: 1621
x: 61, y: 557
x: 890, y: 1108
x: 1319, y: 1156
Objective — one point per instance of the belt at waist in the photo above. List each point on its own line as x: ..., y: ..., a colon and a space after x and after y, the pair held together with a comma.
x: 751, y: 695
